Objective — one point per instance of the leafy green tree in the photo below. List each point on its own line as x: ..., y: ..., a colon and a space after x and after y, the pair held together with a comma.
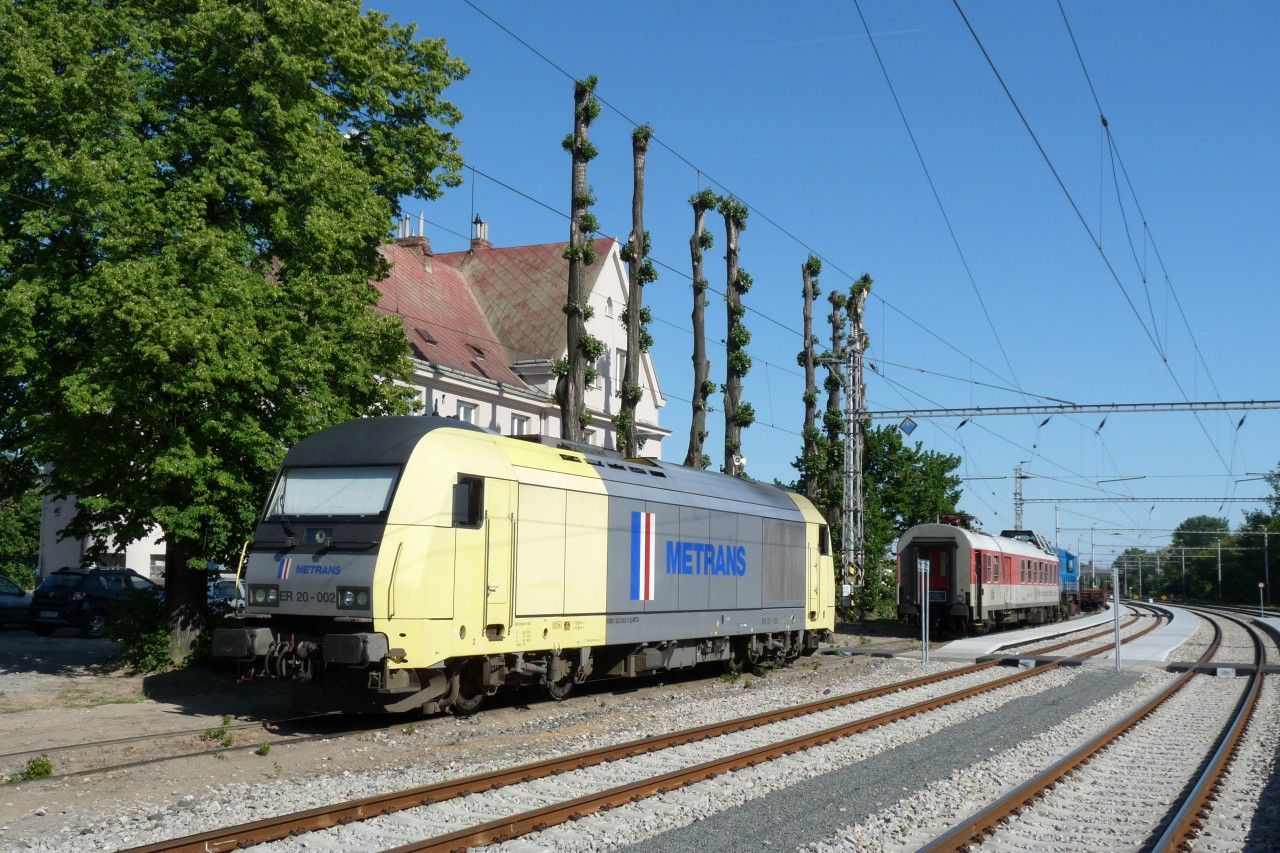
x: 191, y: 203
x: 1200, y: 531
x: 903, y: 486
x: 20, y: 536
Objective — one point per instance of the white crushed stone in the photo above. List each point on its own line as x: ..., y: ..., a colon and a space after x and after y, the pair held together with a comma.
x: 170, y: 814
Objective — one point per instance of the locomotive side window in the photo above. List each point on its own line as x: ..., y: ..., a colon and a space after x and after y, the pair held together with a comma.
x: 468, y: 498
x: 824, y: 540
x: 995, y: 569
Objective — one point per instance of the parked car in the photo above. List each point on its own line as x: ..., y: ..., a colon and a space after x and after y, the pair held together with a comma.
x: 228, y: 592
x: 15, y: 603
x: 83, y: 598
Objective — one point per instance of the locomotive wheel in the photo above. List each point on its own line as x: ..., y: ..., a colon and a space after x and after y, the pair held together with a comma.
x: 737, y: 661
x: 558, y: 690
x: 470, y: 693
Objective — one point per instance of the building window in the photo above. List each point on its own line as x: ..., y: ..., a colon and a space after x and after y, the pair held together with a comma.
x: 467, y: 412
x: 620, y: 362
x: 111, y: 561
x: 608, y: 307
x: 157, y: 565
x: 589, y: 436
x: 519, y: 425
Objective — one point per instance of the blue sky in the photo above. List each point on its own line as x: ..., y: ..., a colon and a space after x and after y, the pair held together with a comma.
x: 784, y: 106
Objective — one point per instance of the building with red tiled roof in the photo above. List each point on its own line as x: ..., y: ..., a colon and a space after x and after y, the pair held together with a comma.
x: 486, y: 325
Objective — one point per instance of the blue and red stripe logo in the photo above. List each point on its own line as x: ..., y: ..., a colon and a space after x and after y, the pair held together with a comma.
x: 282, y: 573
x: 644, y: 580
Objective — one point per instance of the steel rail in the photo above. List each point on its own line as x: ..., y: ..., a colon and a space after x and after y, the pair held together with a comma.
x: 504, y: 829
x: 1183, y: 825
x: 973, y: 828
x: 324, y: 817
x: 290, y: 739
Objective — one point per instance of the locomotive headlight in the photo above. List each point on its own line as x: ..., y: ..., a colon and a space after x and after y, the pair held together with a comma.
x: 353, y: 598
x: 264, y: 595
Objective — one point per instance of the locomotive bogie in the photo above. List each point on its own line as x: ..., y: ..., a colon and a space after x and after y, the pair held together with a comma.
x: 497, y: 562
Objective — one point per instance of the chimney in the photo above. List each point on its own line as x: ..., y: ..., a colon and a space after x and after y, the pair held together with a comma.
x: 480, y: 234
x: 419, y: 242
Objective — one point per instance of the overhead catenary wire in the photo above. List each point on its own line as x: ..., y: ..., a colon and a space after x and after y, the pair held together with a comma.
x: 703, y: 173
x: 1095, y: 239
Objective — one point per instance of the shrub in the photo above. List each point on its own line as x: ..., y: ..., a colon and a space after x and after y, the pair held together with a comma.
x: 141, y: 627
x: 264, y: 748
x: 39, y: 767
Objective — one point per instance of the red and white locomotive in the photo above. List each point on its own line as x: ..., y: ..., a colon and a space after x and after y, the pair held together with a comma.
x: 976, y: 579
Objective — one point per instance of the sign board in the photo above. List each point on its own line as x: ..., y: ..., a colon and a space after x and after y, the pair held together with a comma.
x: 923, y: 565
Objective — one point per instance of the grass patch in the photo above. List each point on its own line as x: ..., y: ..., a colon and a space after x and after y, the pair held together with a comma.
x: 77, y: 696
x: 264, y: 748
x: 219, y: 733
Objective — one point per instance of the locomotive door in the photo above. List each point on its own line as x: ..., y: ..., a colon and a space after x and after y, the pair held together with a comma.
x: 499, y: 534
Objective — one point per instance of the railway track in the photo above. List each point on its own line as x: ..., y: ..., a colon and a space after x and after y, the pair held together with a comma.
x: 649, y: 782
x: 1139, y: 763
x: 197, y: 742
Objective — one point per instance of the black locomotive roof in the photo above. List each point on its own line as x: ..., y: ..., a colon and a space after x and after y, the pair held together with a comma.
x: 369, y: 441
x: 656, y: 474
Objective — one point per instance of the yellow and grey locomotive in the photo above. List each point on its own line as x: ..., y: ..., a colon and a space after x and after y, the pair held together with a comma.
x: 420, y: 562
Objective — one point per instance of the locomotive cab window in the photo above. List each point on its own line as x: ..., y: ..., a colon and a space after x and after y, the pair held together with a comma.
x: 824, y: 540
x: 468, y: 501
x: 338, y: 491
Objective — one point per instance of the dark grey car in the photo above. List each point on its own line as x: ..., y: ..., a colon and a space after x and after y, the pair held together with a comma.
x: 83, y: 598
x: 15, y: 604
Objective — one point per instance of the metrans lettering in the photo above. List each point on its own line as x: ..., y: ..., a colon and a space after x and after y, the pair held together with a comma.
x: 704, y: 558
x: 318, y: 570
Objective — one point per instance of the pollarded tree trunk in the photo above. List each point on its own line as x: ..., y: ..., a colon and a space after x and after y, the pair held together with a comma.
x: 578, y: 364
x: 833, y: 419
x: 640, y: 272
x: 185, y: 596
x: 737, y: 414
x: 809, y: 271
x: 703, y: 387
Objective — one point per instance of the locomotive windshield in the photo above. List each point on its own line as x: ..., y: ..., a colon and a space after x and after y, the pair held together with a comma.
x: 358, y: 491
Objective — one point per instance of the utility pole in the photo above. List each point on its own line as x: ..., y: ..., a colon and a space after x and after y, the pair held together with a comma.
x: 1184, y: 573
x: 1266, y: 562
x: 1017, y: 496
x: 1056, y: 530
x: 1219, y: 569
